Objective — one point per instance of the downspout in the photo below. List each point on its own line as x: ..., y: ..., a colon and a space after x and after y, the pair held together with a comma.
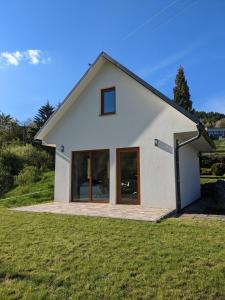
x: 200, y: 129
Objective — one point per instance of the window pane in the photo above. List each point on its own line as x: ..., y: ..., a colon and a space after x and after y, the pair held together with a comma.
x: 109, y: 101
x: 128, y: 164
x: 81, y: 170
x: 100, y: 175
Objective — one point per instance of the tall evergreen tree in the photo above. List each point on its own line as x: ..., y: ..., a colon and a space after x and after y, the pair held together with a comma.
x: 43, y: 114
x: 181, y: 91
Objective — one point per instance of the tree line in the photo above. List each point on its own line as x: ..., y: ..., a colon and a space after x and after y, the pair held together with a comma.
x: 13, y: 130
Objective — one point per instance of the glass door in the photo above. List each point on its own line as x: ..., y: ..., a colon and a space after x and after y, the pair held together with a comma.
x: 90, y: 176
x: 81, y: 176
x: 128, y: 176
x: 100, y: 175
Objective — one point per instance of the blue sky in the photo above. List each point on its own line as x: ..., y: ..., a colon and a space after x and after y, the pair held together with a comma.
x: 46, y: 47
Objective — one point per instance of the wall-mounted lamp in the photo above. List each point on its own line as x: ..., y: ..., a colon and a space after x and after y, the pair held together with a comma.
x: 62, y: 148
x: 156, y: 142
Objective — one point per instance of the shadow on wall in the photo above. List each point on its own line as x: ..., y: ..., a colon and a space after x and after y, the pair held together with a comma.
x: 165, y: 147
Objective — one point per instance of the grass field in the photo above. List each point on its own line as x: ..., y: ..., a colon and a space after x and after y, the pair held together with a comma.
x: 44, y: 256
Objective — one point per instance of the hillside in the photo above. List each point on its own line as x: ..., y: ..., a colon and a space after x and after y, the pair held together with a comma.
x: 30, y: 193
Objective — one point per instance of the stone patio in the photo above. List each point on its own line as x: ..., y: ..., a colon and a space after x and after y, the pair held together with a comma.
x: 133, y: 212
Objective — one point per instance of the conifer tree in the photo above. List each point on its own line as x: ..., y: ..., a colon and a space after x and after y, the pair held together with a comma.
x: 181, y: 91
x: 43, y: 114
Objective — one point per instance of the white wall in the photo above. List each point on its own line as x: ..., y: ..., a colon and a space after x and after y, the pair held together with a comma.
x: 62, y: 177
x: 190, y: 188
x: 140, y: 118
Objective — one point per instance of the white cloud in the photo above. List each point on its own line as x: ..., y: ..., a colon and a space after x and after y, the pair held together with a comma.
x: 31, y: 56
x: 12, y: 58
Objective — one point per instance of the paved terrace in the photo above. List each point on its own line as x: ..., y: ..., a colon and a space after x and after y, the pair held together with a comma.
x: 132, y: 212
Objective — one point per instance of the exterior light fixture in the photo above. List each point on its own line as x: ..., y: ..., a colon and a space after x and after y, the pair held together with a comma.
x: 156, y: 142
x: 62, y: 148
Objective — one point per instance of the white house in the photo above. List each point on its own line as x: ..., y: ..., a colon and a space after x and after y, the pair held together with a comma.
x: 116, y: 141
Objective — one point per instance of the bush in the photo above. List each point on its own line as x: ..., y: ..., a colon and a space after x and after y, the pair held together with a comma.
x: 10, y: 165
x: 34, y: 156
x: 10, y: 162
x: 207, y: 160
x: 6, y: 181
x: 218, y: 169
x: 28, y: 175
x: 206, y: 171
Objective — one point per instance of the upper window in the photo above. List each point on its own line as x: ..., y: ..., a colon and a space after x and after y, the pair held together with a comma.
x: 108, y: 101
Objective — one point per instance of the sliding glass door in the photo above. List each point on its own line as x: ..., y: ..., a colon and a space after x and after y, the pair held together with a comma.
x: 90, y: 176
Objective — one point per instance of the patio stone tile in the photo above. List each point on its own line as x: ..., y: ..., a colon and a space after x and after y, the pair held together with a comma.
x: 133, y: 212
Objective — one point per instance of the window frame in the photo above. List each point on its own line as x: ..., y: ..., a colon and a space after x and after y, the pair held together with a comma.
x: 113, y: 88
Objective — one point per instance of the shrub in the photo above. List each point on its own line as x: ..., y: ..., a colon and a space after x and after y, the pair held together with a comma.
x: 6, y: 181
x: 218, y: 169
x: 10, y: 162
x: 28, y: 175
x: 10, y: 165
x: 34, y: 156
x: 207, y: 160
x: 40, y: 159
x: 206, y: 171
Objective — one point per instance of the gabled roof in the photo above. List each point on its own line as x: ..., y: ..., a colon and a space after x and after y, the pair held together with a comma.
x: 53, y: 119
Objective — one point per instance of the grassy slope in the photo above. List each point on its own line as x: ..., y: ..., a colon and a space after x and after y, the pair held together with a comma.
x: 45, y: 184
x: 220, y: 146
x: 46, y: 256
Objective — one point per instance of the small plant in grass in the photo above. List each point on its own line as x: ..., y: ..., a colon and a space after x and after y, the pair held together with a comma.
x: 28, y: 175
x: 218, y: 169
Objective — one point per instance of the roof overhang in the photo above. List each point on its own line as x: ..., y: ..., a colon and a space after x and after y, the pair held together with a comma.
x: 203, y: 144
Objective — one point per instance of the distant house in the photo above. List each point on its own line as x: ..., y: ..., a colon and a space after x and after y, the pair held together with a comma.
x: 116, y: 140
x: 216, y: 133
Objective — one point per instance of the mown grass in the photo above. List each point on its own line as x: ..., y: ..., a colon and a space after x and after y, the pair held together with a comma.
x: 38, y: 192
x: 46, y: 256
x: 210, y: 178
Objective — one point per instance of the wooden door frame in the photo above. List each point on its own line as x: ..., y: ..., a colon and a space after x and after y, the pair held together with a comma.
x: 118, y: 175
x: 90, y: 179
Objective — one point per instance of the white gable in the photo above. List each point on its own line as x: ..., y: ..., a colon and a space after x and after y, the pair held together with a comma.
x: 139, y: 114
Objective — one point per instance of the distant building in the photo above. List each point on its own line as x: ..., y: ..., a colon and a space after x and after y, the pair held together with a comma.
x: 216, y: 133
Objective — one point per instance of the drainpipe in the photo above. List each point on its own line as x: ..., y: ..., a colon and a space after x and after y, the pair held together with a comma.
x: 200, y: 129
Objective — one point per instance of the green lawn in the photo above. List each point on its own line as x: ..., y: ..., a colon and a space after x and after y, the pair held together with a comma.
x: 46, y: 256
x: 34, y: 193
